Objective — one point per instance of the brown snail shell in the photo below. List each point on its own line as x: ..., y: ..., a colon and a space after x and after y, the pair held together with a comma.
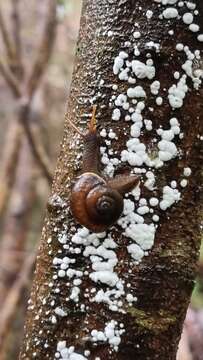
x: 94, y: 203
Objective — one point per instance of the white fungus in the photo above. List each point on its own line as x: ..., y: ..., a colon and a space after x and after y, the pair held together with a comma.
x: 170, y: 13
x: 136, y: 92
x: 188, y: 18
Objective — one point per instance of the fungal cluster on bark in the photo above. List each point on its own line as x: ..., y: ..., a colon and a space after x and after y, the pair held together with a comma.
x: 123, y: 293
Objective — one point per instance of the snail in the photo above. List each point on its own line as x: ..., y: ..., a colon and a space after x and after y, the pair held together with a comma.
x: 97, y: 202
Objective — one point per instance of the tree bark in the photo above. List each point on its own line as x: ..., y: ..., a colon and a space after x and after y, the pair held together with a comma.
x: 163, y: 280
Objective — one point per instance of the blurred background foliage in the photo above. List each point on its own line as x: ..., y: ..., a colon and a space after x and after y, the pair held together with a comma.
x: 21, y: 213
x: 197, y: 297
x: 23, y: 187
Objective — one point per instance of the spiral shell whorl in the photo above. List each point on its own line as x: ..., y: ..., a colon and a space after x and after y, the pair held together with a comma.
x: 94, y: 204
x: 104, y: 205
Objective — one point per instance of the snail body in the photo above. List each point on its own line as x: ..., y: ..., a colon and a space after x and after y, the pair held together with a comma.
x: 96, y: 202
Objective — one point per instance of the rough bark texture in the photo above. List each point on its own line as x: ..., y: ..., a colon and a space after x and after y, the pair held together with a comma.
x: 164, y: 280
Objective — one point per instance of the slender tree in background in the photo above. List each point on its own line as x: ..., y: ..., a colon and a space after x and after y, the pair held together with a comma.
x: 123, y: 294
x: 22, y: 152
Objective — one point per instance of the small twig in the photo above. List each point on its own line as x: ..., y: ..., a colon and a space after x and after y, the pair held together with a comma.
x: 9, y: 162
x: 38, y: 68
x: 17, y: 218
x: 10, y: 79
x: 36, y: 148
x: 38, y: 152
x: 16, y: 24
x: 44, y: 50
x: 9, y: 308
x: 16, y: 27
x: 6, y: 39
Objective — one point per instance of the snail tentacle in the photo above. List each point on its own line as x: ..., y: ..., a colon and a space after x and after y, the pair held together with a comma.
x: 123, y: 183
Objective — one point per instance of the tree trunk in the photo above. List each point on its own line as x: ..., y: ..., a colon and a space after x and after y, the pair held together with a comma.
x: 139, y: 303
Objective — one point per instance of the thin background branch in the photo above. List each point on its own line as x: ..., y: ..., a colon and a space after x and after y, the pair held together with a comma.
x: 6, y: 39
x: 37, y: 149
x: 45, y: 49
x: 9, y: 161
x: 8, y: 312
x: 11, y: 80
x: 16, y: 29
x: 33, y: 79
